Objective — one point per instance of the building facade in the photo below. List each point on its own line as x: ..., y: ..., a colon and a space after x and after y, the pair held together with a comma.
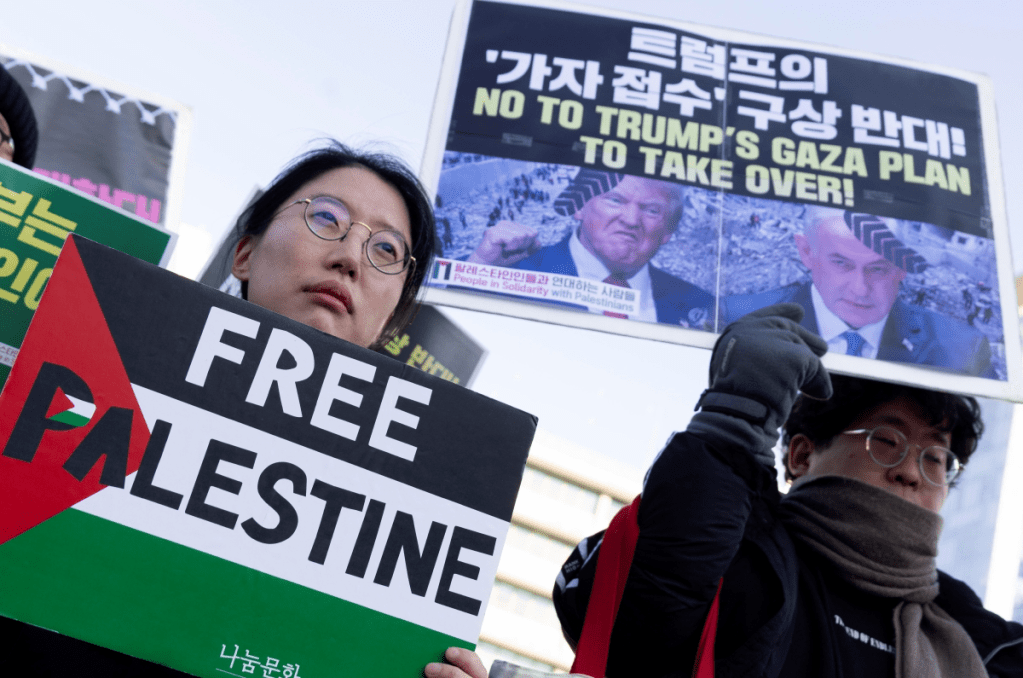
x: 567, y: 493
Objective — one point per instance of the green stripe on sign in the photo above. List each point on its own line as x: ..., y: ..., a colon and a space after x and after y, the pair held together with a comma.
x: 70, y: 418
x: 118, y: 587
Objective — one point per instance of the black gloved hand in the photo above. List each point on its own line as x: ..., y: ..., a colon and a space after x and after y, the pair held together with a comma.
x: 759, y: 365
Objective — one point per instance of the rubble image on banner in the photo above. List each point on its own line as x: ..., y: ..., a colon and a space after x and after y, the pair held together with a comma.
x: 477, y: 193
x: 955, y: 275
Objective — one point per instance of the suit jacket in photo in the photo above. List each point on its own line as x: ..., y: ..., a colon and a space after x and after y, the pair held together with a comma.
x: 677, y: 302
x: 911, y: 335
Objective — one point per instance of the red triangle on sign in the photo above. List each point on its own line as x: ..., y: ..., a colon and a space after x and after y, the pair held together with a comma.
x: 68, y: 329
x: 61, y: 403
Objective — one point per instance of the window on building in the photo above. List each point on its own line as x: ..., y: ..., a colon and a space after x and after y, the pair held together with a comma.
x: 524, y: 604
x: 538, y: 545
x: 559, y: 490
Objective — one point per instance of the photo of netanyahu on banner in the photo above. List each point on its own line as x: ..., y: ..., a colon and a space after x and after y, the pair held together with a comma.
x: 856, y: 295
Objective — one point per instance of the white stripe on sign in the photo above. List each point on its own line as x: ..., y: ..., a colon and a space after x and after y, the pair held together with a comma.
x: 81, y: 407
x: 208, y: 498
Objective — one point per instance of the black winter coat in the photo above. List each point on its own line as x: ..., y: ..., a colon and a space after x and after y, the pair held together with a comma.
x: 705, y: 514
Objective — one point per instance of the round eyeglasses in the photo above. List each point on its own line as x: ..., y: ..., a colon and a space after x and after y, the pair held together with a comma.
x: 888, y: 447
x: 328, y: 219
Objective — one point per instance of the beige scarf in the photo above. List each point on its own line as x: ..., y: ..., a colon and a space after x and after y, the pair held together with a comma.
x: 885, y: 545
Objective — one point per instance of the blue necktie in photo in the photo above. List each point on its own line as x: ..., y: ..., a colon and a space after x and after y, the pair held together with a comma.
x: 853, y: 343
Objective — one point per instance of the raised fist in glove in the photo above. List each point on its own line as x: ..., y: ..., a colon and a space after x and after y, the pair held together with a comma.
x: 759, y: 365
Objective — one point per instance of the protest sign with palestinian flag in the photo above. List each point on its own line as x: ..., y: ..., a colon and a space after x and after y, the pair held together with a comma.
x: 194, y: 480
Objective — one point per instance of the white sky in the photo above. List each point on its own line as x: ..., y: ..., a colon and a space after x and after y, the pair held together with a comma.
x: 264, y: 78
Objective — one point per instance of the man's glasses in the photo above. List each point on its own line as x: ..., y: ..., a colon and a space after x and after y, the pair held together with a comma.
x: 6, y: 139
x: 329, y: 219
x: 888, y: 447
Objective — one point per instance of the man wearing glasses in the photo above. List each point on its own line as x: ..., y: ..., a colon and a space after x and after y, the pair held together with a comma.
x: 899, y: 441
x: 835, y: 578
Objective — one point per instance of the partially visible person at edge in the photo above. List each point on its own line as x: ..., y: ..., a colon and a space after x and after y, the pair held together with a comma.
x: 856, y: 265
x: 19, y: 135
x: 340, y: 241
x: 836, y: 578
x: 623, y: 222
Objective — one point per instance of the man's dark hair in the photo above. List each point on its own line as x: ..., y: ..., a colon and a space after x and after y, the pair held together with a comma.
x: 17, y: 111
x: 261, y: 212
x: 822, y: 420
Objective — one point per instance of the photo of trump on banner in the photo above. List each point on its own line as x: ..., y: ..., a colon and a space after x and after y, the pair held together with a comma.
x: 855, y: 297
x: 598, y: 226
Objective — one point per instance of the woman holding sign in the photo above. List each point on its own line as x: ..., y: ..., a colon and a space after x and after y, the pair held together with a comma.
x: 340, y: 241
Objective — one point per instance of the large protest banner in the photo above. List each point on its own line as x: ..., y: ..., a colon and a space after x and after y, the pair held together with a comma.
x: 105, y: 139
x: 36, y: 216
x: 666, y: 178
x: 238, y: 491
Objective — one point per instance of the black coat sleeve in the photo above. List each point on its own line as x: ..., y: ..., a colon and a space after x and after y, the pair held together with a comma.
x: 695, y: 510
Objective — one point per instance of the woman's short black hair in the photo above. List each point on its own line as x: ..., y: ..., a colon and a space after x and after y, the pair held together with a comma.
x: 822, y: 420
x: 334, y: 155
